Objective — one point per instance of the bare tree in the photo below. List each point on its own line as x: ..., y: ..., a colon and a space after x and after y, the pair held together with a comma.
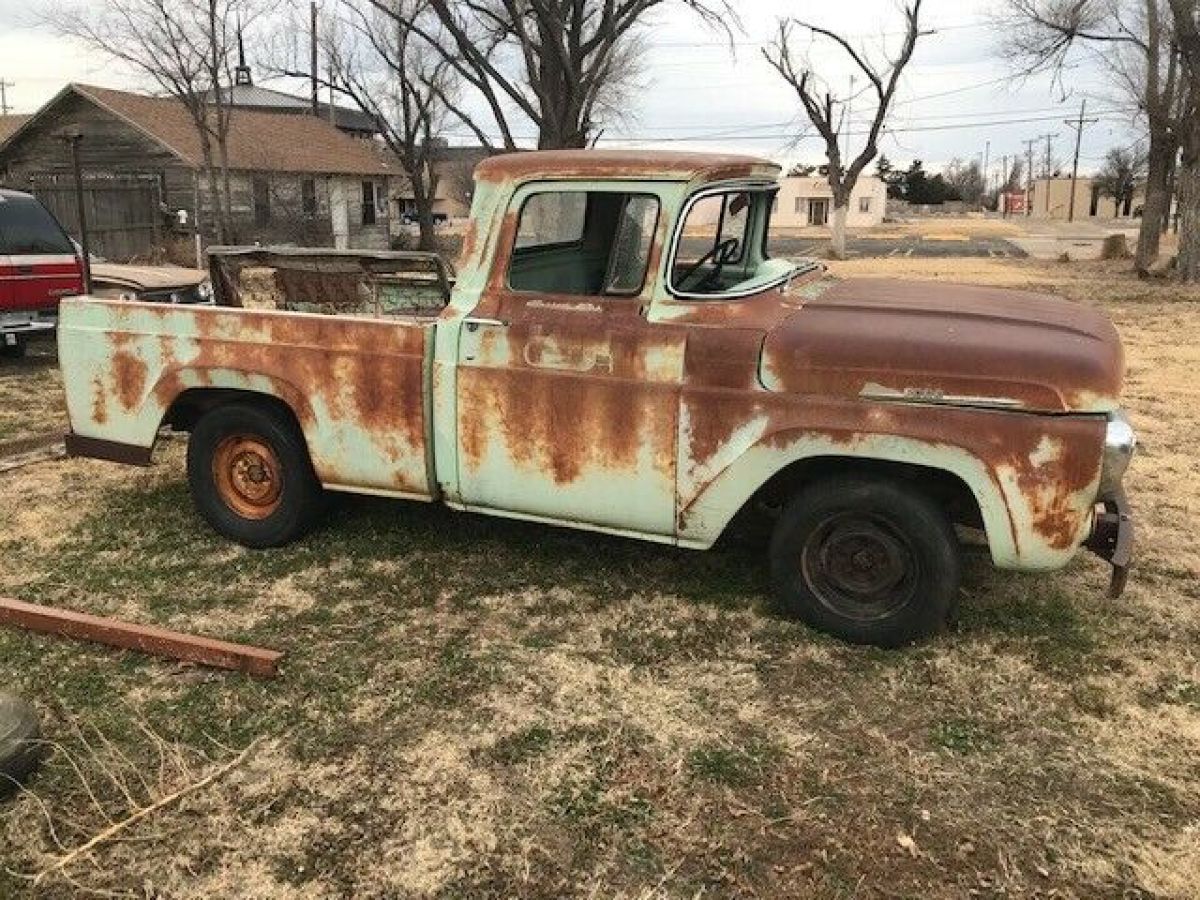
x: 825, y: 110
x: 967, y: 178
x: 1123, y: 171
x: 563, y: 65
x: 1133, y: 40
x: 1187, y: 34
x: 378, y: 58
x: 185, y: 48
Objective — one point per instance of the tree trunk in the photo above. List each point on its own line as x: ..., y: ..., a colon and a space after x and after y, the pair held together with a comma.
x: 1154, y: 210
x: 837, y: 242
x: 423, y: 200
x: 226, y: 192
x: 214, y: 195
x: 1188, y: 264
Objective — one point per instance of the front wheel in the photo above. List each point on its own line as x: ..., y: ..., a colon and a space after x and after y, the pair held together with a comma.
x: 250, y: 475
x: 871, y: 561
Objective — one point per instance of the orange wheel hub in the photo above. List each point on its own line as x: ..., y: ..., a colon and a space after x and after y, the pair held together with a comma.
x: 248, y: 476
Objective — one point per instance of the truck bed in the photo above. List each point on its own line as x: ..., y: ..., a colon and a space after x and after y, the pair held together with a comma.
x: 357, y: 384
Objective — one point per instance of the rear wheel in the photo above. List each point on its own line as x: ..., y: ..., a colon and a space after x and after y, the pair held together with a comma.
x: 872, y: 561
x: 250, y: 475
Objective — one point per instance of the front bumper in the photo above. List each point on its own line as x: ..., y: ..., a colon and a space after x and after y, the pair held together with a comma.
x: 1112, y: 538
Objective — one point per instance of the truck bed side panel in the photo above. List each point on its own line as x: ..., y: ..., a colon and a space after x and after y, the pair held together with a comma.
x: 356, y: 386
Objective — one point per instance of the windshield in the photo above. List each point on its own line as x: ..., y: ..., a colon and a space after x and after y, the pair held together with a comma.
x: 722, y: 246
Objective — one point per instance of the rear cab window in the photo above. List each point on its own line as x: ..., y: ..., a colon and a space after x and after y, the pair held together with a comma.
x: 583, y: 243
x: 27, y: 229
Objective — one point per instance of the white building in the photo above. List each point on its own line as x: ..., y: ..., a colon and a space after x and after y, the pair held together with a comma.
x: 806, y: 201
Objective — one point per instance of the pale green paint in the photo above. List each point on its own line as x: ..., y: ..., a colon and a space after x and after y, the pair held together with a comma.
x: 612, y: 502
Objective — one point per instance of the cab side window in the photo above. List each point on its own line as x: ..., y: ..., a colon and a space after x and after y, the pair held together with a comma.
x: 585, y: 243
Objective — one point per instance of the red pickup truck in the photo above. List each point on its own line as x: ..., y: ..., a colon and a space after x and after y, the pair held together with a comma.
x: 39, y: 266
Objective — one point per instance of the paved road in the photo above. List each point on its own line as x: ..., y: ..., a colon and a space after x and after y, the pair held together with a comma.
x: 908, y: 245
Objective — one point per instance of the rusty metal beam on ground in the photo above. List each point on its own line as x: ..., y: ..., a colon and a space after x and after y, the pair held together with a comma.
x: 142, y: 638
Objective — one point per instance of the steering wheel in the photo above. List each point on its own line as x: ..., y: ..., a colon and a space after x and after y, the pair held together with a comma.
x: 720, y: 254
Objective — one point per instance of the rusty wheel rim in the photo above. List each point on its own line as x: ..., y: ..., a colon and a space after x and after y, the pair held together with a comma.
x: 248, y: 476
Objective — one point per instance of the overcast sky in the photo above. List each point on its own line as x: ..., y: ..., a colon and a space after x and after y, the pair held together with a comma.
x: 696, y: 94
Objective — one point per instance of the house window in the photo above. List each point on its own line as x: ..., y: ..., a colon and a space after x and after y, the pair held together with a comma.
x: 308, y: 197
x: 584, y: 243
x: 261, y: 190
x: 799, y: 207
x: 864, y: 204
x: 370, y: 211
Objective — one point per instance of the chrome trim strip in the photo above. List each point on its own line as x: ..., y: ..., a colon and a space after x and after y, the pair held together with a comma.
x: 919, y: 399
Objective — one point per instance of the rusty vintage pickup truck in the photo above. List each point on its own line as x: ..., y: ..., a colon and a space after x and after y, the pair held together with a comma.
x: 621, y: 352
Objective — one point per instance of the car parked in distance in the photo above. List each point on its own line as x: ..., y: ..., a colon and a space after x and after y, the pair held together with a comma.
x: 411, y: 218
x: 38, y: 267
x: 151, y: 284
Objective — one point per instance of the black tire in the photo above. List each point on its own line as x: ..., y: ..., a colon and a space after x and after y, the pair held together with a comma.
x: 16, y: 351
x: 869, y: 560
x: 20, y: 743
x: 251, y: 476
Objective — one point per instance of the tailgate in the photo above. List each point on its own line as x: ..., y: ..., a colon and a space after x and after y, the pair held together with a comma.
x: 38, y: 281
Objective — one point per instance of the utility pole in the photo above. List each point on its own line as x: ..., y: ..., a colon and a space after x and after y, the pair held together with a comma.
x: 1049, y: 138
x: 1002, y: 189
x: 987, y: 154
x: 312, y: 63
x: 1078, y: 124
x: 72, y: 138
x: 1029, y: 175
x: 4, y: 85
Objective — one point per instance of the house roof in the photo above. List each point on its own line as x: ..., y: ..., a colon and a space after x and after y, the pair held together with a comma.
x: 641, y: 164
x: 253, y: 96
x: 9, y: 124
x: 258, y: 141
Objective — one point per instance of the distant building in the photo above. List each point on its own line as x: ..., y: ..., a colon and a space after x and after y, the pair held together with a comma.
x: 806, y: 201
x: 294, y: 178
x: 351, y: 120
x: 1050, y: 198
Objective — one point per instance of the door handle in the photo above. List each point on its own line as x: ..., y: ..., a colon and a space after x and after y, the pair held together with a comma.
x: 473, y: 322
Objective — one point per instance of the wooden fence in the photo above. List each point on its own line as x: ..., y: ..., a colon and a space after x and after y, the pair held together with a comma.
x: 124, y: 215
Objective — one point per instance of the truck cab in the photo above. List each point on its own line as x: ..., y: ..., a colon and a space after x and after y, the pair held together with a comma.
x: 621, y: 352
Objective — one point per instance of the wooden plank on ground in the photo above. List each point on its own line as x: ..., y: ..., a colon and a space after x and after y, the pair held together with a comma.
x: 142, y: 638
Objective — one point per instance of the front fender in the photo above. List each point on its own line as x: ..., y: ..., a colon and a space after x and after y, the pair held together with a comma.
x: 1034, y: 478
x: 703, y: 520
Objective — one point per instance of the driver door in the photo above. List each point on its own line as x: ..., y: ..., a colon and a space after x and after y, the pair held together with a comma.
x: 567, y: 398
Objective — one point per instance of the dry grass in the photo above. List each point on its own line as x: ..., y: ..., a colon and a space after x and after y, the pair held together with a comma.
x: 31, y: 395
x: 474, y: 708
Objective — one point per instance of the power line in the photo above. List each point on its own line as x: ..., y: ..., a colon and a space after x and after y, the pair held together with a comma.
x: 719, y: 45
x: 739, y: 135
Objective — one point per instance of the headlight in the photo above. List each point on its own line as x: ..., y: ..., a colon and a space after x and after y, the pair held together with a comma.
x: 1120, y: 442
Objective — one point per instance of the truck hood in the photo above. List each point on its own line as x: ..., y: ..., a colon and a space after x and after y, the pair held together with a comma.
x: 148, y: 278
x: 933, y: 342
